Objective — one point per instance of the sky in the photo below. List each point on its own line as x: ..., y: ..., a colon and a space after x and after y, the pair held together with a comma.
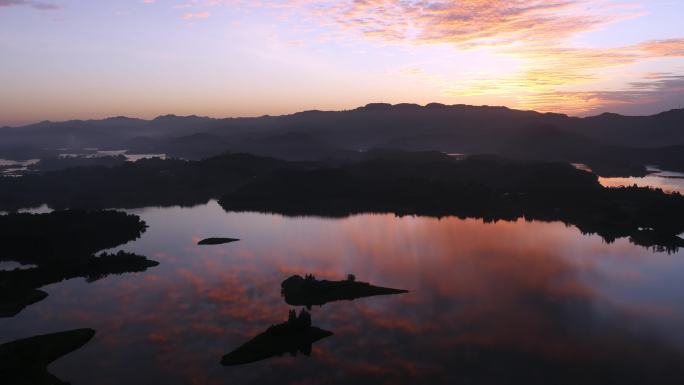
x: 84, y: 59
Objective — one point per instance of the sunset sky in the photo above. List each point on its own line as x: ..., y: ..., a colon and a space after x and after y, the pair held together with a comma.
x: 81, y: 59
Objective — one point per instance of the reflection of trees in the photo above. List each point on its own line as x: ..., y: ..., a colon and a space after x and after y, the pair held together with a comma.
x: 297, y: 334
x: 61, y: 245
x: 19, y: 285
x: 431, y: 184
x: 488, y: 188
x: 518, y: 318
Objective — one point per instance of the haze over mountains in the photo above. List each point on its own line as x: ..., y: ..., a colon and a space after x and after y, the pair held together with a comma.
x: 614, y: 143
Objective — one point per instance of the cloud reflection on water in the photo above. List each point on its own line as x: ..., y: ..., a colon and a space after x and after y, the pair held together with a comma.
x: 515, y: 295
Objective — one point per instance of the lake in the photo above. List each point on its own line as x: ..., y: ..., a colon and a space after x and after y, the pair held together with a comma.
x: 668, y: 181
x: 488, y: 302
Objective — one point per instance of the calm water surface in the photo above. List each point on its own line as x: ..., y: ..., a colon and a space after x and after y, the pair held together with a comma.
x: 521, y: 289
x: 668, y: 181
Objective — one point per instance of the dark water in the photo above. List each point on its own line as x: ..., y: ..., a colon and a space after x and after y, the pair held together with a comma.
x: 488, y: 303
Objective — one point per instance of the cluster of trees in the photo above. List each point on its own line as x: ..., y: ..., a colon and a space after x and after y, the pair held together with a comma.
x: 485, y: 187
x: 147, y: 182
x: 64, y: 235
x: 424, y: 183
x: 62, y: 245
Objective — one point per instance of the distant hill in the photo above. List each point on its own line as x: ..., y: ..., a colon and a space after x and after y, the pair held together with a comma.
x: 313, y: 135
x: 663, y: 129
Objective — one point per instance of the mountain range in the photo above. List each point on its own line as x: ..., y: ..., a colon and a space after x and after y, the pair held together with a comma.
x: 612, y: 143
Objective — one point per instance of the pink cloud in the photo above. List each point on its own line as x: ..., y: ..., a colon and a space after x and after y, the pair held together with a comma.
x: 196, y: 15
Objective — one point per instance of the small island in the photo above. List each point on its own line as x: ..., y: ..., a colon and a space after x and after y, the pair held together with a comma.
x: 309, y: 291
x: 61, y: 245
x: 18, y: 288
x: 295, y: 335
x: 12, y: 302
x: 25, y: 361
x: 216, y: 241
x: 65, y: 235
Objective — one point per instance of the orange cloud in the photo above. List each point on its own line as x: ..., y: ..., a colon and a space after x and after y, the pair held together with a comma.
x: 490, y: 22
x: 542, y: 82
x: 669, y: 47
x: 538, y: 33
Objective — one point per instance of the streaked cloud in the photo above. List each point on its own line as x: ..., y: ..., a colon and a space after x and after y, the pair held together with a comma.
x: 279, y: 56
x: 542, y: 34
x: 656, y: 92
x: 33, y: 4
x: 548, y: 71
x: 467, y: 23
x: 669, y: 47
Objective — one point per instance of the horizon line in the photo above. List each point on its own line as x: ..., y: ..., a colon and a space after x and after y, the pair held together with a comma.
x: 47, y: 121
